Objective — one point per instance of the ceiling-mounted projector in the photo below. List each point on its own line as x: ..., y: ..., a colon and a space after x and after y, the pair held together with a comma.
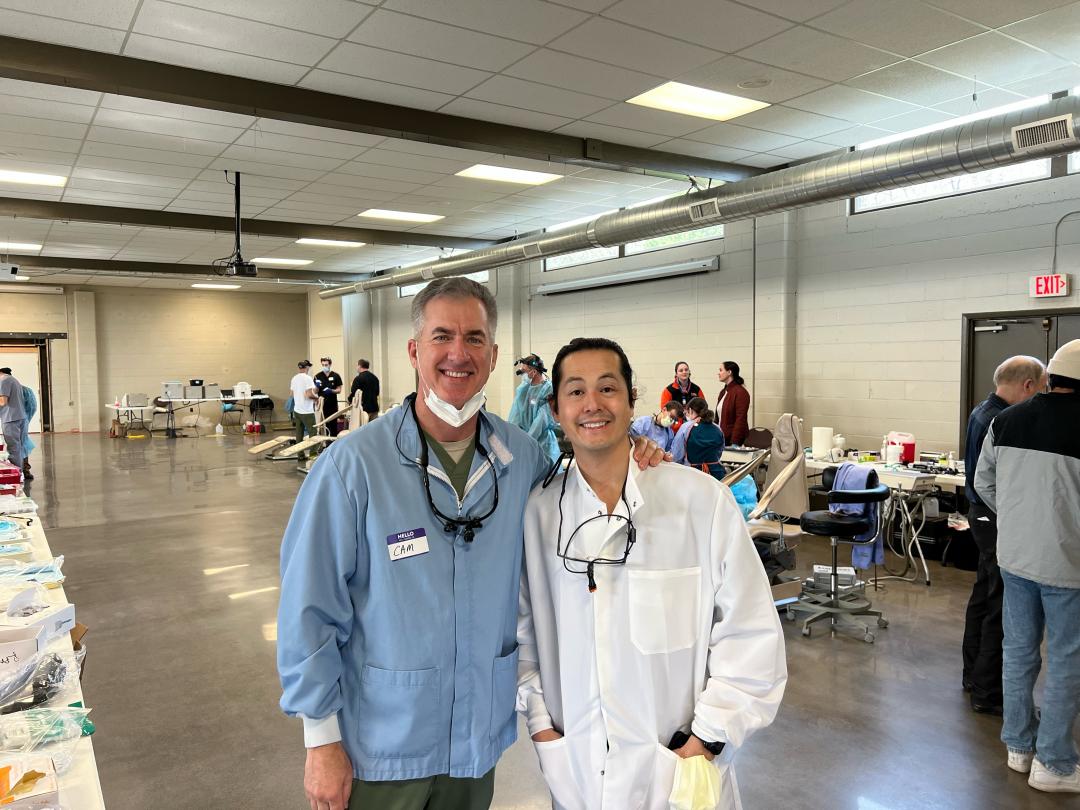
x: 238, y: 267
x: 8, y: 272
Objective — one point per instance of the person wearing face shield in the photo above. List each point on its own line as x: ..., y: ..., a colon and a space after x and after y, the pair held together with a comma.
x: 530, y: 410
x: 660, y: 427
x: 647, y: 656
x: 400, y: 567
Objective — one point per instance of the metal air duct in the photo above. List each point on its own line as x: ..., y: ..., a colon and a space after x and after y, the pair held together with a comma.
x: 1000, y: 140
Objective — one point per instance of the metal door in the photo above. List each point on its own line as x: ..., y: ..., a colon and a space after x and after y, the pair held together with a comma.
x: 1068, y: 328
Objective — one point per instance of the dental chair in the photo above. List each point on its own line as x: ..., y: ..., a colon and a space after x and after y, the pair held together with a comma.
x: 841, y: 604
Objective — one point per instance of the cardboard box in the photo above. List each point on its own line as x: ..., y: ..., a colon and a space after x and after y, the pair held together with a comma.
x: 787, y: 590
x: 18, y: 645
x: 43, y: 793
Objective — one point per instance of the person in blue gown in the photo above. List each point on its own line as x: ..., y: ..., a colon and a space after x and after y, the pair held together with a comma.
x: 530, y: 410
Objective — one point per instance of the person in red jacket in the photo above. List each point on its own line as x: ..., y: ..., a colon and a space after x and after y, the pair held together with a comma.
x: 733, y: 404
x: 682, y: 390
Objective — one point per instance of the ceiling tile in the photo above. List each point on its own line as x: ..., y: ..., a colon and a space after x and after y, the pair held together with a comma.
x: 913, y: 120
x: 901, y: 26
x: 915, y: 82
x: 71, y: 95
x: 60, y: 32
x: 818, y: 54
x: 111, y: 150
x: 995, y: 13
x: 180, y: 111
x: 277, y: 157
x: 796, y: 123
x: 18, y: 143
x: 540, y: 97
x: 41, y: 108
x: 233, y: 164
x: 623, y: 45
x: 397, y: 174
x: 372, y: 90
x: 704, y: 150
x: 797, y: 10
x: 434, y: 40
x: 107, y: 13
x: 212, y: 59
x: 121, y: 119
x: 330, y: 18
x: 726, y: 74
x: 152, y: 140
x: 756, y: 140
x: 850, y: 104
x: 853, y: 136
x: 716, y: 24
x: 986, y: 100
x: 584, y: 75
x: 1057, y: 31
x: 645, y: 119
x: 373, y: 63
x: 232, y: 34
x: 128, y: 171
x: 603, y: 132
x: 525, y: 20
x: 1065, y: 78
x: 41, y: 126
x: 485, y: 111
x: 804, y: 150
x: 390, y: 157
x: 260, y: 139
x: 993, y: 58
x: 367, y: 186
x: 62, y: 166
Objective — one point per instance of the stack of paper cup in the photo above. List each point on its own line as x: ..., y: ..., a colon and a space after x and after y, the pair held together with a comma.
x: 822, y: 443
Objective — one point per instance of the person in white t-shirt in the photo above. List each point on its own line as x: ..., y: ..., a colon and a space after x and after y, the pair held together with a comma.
x: 304, y: 396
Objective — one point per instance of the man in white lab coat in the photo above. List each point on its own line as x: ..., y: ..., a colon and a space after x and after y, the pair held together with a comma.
x: 644, y: 612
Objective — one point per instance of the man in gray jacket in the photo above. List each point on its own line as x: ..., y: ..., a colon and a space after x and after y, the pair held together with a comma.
x: 1029, y: 474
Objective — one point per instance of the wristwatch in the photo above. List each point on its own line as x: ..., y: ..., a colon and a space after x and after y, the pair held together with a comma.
x: 713, y: 748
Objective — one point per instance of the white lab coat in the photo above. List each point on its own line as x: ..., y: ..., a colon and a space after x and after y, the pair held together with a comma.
x: 684, y: 636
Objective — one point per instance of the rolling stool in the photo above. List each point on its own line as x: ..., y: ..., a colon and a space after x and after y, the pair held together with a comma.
x: 840, y: 605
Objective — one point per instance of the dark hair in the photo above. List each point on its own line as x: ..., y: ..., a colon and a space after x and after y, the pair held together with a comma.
x: 532, y: 361
x: 699, y: 406
x: 5, y: 370
x: 1056, y: 381
x: 674, y: 405
x: 363, y: 363
x: 582, y: 344
x: 326, y: 360
x: 733, y: 367
x: 681, y: 363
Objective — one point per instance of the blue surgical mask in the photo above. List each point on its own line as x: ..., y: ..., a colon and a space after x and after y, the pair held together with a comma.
x: 326, y: 368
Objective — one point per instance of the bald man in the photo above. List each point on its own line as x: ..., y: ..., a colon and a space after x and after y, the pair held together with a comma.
x: 1015, y: 380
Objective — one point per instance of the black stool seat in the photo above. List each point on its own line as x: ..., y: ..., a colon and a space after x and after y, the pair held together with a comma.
x: 830, y: 524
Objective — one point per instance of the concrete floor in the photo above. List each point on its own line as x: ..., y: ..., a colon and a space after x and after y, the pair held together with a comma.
x: 184, y: 689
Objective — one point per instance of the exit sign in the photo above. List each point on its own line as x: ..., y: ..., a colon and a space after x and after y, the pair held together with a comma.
x: 1055, y: 285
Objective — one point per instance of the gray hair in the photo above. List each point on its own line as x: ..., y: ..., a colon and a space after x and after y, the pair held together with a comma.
x: 454, y: 287
x: 1018, y: 370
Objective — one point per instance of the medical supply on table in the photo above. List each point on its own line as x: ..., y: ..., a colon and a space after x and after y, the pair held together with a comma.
x: 29, y: 606
x: 54, y: 732
x: 906, y: 442
x: 893, y: 454
x: 17, y: 505
x: 28, y: 783
x: 821, y: 443
x: 46, y: 572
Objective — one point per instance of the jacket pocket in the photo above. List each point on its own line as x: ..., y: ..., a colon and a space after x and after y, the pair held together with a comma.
x: 503, y: 693
x: 398, y: 712
x: 558, y: 775
x: 664, y: 609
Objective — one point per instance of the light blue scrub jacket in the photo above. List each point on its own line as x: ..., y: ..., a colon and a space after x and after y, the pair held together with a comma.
x: 531, y: 413
x: 647, y: 427
x: 416, y: 656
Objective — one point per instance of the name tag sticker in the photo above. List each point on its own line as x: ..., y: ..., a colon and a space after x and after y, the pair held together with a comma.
x: 407, y: 544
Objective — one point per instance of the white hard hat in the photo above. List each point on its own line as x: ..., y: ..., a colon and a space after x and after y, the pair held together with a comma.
x: 1066, y: 361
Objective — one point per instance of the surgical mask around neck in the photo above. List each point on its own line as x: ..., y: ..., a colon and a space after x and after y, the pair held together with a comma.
x: 455, y: 417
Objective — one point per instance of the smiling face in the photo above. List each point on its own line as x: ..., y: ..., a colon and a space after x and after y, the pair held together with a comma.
x: 454, y: 353
x: 593, y: 402
x: 682, y: 372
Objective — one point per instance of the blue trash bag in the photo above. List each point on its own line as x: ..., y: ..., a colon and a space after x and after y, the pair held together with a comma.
x: 746, y: 495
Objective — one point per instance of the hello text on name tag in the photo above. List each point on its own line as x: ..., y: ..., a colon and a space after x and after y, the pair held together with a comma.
x: 407, y: 544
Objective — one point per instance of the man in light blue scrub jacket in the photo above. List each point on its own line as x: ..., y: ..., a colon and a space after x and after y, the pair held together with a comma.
x: 400, y: 568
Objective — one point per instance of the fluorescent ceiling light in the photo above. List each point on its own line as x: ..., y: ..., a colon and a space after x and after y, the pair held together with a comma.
x: 19, y: 246
x: 328, y: 243
x: 697, y: 101
x: 289, y: 262
x: 215, y: 571
x: 31, y: 178
x: 629, y: 277
x: 502, y: 174
x: 22, y: 278
x: 216, y: 286
x: 400, y: 216
x: 955, y: 122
